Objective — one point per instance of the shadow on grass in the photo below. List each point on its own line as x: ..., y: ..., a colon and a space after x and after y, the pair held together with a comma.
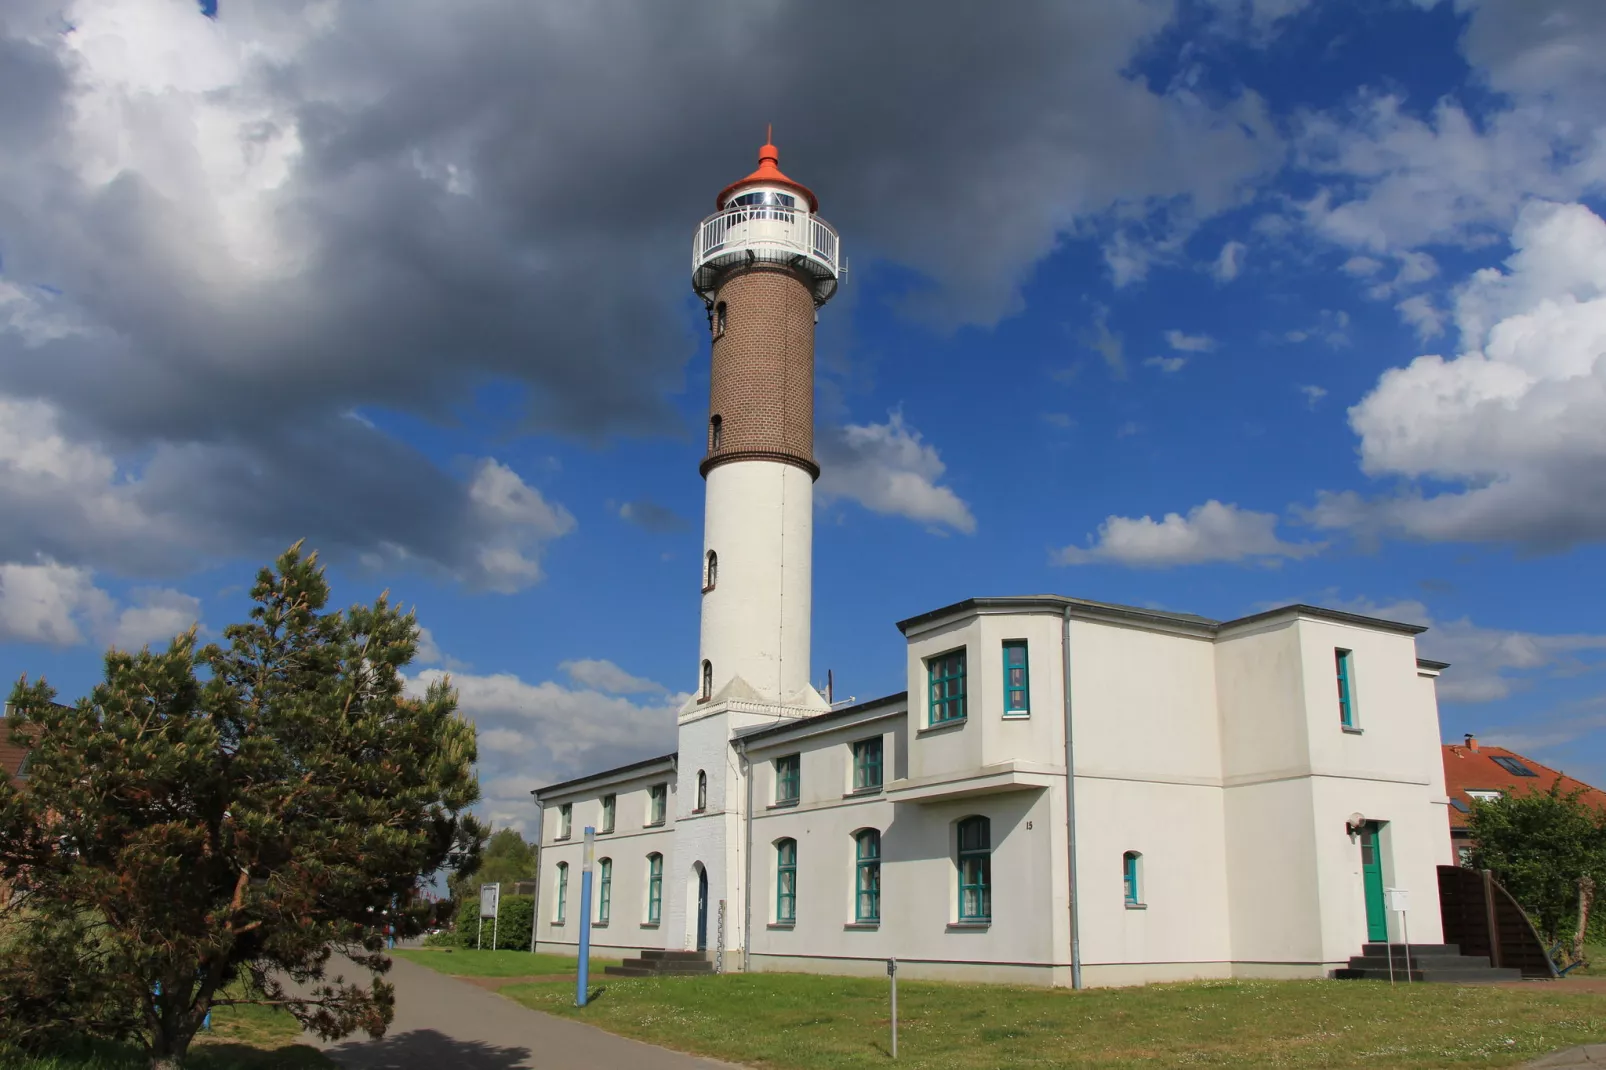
x: 227, y: 1056
x: 425, y: 1049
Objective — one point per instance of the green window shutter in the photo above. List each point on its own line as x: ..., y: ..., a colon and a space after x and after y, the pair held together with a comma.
x: 945, y: 674
x: 975, y: 870
x: 1346, y: 697
x: 786, y: 882
x: 1017, y: 686
x: 867, y: 903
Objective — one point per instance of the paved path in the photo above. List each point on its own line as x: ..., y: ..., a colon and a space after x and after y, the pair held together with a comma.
x: 444, y: 1024
x: 1590, y: 1056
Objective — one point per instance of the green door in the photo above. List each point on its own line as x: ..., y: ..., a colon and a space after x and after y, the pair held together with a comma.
x: 1377, y: 923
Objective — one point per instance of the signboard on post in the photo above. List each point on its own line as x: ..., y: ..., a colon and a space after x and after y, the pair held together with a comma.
x: 490, y: 903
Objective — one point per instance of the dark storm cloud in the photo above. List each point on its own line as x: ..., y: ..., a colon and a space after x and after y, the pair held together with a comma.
x: 261, y: 222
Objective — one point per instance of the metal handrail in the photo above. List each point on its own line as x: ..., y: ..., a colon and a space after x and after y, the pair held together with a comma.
x: 767, y: 224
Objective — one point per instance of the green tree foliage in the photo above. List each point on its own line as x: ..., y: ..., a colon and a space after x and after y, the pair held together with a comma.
x: 238, y: 813
x: 505, y: 859
x: 515, y: 915
x: 1539, y: 845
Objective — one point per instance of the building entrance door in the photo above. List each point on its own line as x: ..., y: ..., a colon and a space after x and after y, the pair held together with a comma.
x: 702, y: 909
x: 1377, y: 922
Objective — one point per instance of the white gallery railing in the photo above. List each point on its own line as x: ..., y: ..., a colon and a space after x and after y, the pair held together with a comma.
x: 765, y: 226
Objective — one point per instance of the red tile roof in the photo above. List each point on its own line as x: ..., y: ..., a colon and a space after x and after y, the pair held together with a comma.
x: 1473, y: 766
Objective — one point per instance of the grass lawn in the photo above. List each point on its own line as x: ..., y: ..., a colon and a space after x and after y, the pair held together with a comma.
x: 816, y: 1023
x: 468, y: 963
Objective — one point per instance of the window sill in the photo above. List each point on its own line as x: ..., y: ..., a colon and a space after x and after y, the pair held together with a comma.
x: 781, y: 925
x: 861, y: 926
x: 784, y: 804
x: 1352, y: 730
x: 1017, y: 715
x: 559, y: 924
x: 874, y: 789
x: 707, y: 589
x: 700, y: 810
x: 599, y: 925
x: 649, y: 925
x: 977, y: 926
x: 562, y: 839
x: 653, y: 825
x: 1137, y: 906
x: 941, y: 726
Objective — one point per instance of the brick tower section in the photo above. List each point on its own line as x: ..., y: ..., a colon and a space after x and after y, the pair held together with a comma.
x: 761, y: 397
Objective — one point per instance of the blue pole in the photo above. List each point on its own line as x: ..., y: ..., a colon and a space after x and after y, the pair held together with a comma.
x: 583, y: 978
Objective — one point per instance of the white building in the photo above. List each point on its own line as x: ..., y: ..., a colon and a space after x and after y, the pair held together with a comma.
x: 1240, y: 794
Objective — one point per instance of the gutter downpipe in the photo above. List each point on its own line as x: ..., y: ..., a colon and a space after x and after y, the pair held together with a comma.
x: 747, y: 876
x: 540, y: 853
x: 1070, y: 804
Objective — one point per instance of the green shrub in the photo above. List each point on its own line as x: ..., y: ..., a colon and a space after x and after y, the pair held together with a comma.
x: 512, y: 929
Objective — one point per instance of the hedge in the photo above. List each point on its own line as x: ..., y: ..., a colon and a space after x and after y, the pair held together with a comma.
x: 512, y: 927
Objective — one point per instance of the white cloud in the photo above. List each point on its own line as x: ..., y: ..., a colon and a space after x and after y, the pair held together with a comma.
x: 518, y: 523
x: 60, y: 605
x: 604, y: 675
x: 1167, y: 364
x: 1313, y: 394
x: 1518, y: 421
x: 1229, y: 262
x: 1106, y: 343
x: 1331, y: 328
x: 1487, y: 664
x: 1421, y: 313
x: 1210, y: 532
x: 1362, y: 267
x: 1189, y: 343
x: 889, y: 469
x: 541, y: 733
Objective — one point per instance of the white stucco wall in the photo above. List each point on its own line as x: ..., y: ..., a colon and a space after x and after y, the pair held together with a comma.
x: 759, y: 520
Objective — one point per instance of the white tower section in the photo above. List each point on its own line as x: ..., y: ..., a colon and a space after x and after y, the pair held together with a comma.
x: 763, y: 263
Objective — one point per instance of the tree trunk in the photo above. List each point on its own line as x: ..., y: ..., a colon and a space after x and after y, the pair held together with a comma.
x: 1586, y: 899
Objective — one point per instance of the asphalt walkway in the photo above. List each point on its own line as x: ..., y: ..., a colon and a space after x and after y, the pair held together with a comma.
x: 443, y: 1023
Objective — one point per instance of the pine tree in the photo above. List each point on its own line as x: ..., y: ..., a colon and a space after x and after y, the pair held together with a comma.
x: 215, y: 825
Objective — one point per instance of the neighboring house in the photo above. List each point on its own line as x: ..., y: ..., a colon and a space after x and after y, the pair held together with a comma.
x: 1473, y: 771
x: 1066, y: 790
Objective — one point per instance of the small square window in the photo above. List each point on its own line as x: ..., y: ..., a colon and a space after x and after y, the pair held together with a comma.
x: 946, y: 675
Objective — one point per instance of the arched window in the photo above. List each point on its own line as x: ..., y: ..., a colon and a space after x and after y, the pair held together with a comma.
x: 710, y: 571
x: 785, y: 881
x: 655, y: 887
x: 975, y: 869
x: 604, y: 890
x: 719, y: 319
x: 702, y: 790
x: 716, y: 432
x: 1131, y: 878
x: 867, y: 853
x: 708, y: 681
x: 563, y: 892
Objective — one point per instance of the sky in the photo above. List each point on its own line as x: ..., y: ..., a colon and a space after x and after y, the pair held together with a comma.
x: 1207, y: 305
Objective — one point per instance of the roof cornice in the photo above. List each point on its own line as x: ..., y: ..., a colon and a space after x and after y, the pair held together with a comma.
x: 664, y: 763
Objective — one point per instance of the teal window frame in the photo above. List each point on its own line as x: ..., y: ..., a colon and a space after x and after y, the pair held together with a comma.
x: 945, y: 687
x: 657, y: 804
x: 1345, y: 663
x: 1130, y: 877
x: 867, y: 764
x: 610, y: 806
x: 563, y: 893
x: 975, y: 840
x: 565, y: 820
x: 867, y: 864
x: 786, y: 882
x: 1017, y: 690
x: 604, y: 890
x: 655, y: 888
x: 788, y: 779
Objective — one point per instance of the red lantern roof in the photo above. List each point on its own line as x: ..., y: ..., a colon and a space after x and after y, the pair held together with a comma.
x: 770, y: 175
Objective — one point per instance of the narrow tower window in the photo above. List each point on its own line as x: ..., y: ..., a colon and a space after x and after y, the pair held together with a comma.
x: 711, y: 572
x: 719, y: 319
x: 702, y: 791
x: 716, y: 429
x: 708, y: 681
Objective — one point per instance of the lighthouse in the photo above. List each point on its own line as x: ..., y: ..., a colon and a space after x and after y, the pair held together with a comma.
x: 763, y: 264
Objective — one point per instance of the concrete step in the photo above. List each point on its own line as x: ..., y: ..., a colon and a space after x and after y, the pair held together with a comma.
x: 1380, y: 961
x: 1431, y: 976
x: 1381, y: 950
x: 629, y: 971
x: 659, y: 968
x: 675, y: 956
